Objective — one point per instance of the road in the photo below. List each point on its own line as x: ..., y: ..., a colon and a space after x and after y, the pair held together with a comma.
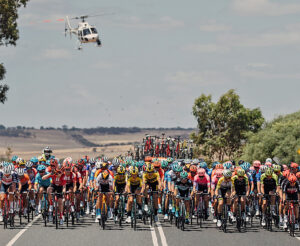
x: 89, y: 233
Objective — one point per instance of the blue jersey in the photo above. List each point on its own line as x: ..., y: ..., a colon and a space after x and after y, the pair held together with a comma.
x: 38, y: 180
x: 209, y: 171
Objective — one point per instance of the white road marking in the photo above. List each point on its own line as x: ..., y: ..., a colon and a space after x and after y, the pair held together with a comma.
x: 153, y: 234
x: 16, y: 237
x: 161, y: 233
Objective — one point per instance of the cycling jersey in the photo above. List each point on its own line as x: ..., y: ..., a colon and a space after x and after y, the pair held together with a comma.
x: 8, y: 180
x: 120, y: 179
x: 291, y: 191
x: 41, y: 182
x: 240, y: 185
x: 70, y: 178
x: 134, y: 181
x: 270, y: 184
x: 31, y: 173
x: 25, y: 179
x: 58, y: 180
x: 150, y: 177
x: 104, y: 185
x: 202, y: 183
x: 183, y: 188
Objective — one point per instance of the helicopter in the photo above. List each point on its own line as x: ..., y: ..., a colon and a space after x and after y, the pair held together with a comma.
x: 85, y: 32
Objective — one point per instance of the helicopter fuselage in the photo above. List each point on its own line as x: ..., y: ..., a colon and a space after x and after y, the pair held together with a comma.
x: 87, y: 33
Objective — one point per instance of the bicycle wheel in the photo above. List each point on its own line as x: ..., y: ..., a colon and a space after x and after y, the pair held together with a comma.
x: 56, y: 216
x: 5, y: 214
x: 134, y: 217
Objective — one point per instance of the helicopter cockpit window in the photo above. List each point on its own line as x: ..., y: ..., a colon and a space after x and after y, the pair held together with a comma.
x: 93, y: 29
x: 86, y: 32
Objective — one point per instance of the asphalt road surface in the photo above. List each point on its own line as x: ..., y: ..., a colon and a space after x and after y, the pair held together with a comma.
x: 87, y: 232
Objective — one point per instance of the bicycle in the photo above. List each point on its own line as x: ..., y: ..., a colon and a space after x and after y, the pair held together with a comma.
x: 269, y: 216
x: 182, y: 213
x: 201, y: 210
x: 104, y: 209
x: 121, y: 208
x: 7, y: 215
x: 291, y: 217
x: 224, y: 216
x: 44, y: 206
x: 240, y: 222
x: 68, y: 208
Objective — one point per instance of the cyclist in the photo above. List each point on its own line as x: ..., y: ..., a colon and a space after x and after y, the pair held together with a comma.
x: 58, y: 185
x: 119, y: 184
x: 291, y: 191
x: 24, y: 187
x: 104, y: 184
x: 8, y: 181
x: 202, y: 185
x: 224, y: 190
x: 31, y: 171
x: 133, y: 186
x: 269, y: 186
x: 41, y: 185
x: 151, y: 180
x: 183, y: 187
x: 240, y: 188
x: 214, y: 181
x: 70, y: 178
x: 47, y: 153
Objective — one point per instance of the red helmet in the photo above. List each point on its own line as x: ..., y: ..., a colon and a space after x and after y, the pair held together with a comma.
x: 80, y: 162
x: 285, y: 167
x: 298, y: 175
x: 193, y: 168
x: 294, y: 165
x: 256, y: 163
x: 201, y: 172
x: 292, y: 178
x: 68, y: 160
x: 157, y: 164
x: 219, y: 166
x: 219, y: 173
x: 53, y: 163
x: 59, y: 168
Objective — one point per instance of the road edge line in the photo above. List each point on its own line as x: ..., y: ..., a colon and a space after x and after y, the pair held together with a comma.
x: 162, y: 234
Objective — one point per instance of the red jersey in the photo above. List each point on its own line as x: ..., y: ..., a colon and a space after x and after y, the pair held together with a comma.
x: 190, y: 177
x: 71, y: 178
x: 58, y: 181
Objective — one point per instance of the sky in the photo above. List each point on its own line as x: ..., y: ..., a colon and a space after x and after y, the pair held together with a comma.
x: 157, y: 58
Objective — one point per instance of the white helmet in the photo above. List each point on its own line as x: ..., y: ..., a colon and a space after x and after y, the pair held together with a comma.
x: 269, y: 160
x: 6, y: 170
x: 98, y: 164
x: 227, y: 173
x: 20, y: 171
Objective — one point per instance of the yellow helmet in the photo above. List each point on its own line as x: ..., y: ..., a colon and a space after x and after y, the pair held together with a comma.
x: 42, y: 158
x: 134, y: 170
x: 22, y: 162
x: 240, y: 172
x: 149, y: 168
x: 121, y: 170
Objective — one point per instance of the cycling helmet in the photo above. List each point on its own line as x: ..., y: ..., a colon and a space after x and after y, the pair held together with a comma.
x: 59, y: 167
x: 214, y: 164
x: 179, y: 169
x: 184, y: 175
x: 121, y: 170
x: 11, y: 166
x: 105, y: 174
x: 134, y: 171
x: 174, y: 167
x: 203, y: 165
x: 29, y: 164
x: 240, y: 162
x: 104, y: 159
x: 227, y: 173
x: 92, y: 161
x: 6, y: 170
x: 298, y: 175
x: 14, y: 158
x: 201, y: 172
x: 195, y: 162
x: 170, y: 159
x: 240, y: 172
x: 277, y: 168
x: 227, y: 165
x: 47, y: 151
x: 67, y: 165
x: 292, y: 178
x: 81, y: 162
x: 263, y: 168
x: 20, y: 171
x: 193, y: 168
x: 219, y: 173
x: 41, y: 168
x: 21, y: 162
x: 219, y: 166
x: 149, y: 168
x: 294, y: 165
x: 98, y: 164
x: 256, y: 163
x: 18, y: 160
x: 285, y: 167
x: 42, y: 159
x: 34, y: 160
x: 269, y: 160
x: 187, y: 161
x: 157, y: 164
x: 1, y: 164
x: 115, y: 162
x: 164, y: 164
x: 247, y: 165
x: 269, y: 172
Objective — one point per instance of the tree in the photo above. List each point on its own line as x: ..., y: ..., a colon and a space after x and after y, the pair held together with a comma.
x: 223, y: 127
x: 280, y: 138
x: 9, y: 33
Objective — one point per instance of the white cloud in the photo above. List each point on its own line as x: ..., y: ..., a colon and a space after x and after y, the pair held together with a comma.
x: 206, y: 48
x: 213, y: 26
x: 196, y: 77
x: 165, y: 22
x: 56, y: 54
x: 264, y: 7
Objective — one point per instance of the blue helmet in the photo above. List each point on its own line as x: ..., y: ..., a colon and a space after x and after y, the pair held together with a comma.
x: 203, y: 165
x: 227, y: 165
x: 34, y: 160
x: 41, y: 168
x: 14, y: 158
x: 48, y: 162
x: 214, y: 164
